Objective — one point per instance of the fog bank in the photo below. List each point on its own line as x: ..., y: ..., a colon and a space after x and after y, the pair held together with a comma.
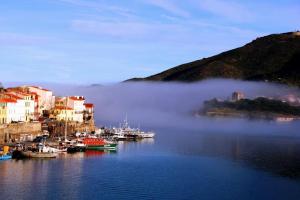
x: 153, y: 105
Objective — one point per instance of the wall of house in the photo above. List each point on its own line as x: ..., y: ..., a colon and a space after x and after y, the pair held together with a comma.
x: 19, y: 131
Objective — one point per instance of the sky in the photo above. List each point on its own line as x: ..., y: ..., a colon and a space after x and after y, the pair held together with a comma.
x: 97, y: 41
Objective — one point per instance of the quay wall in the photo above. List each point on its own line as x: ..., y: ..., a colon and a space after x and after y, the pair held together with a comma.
x: 57, y: 128
x: 19, y: 131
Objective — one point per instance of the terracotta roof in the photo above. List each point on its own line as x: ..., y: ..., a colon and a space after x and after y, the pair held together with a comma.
x: 6, y: 100
x: 62, y: 108
x: 32, y: 93
x: 76, y: 98
x: 88, y: 105
x: 40, y: 88
x: 12, y: 96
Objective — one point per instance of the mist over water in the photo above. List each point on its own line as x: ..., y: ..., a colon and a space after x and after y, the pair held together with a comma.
x: 189, y: 158
x: 152, y: 105
x: 168, y: 109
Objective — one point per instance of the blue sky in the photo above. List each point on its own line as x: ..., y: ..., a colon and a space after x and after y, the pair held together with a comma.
x: 97, y: 41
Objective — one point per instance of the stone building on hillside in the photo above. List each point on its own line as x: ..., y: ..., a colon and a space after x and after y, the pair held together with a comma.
x: 236, y: 96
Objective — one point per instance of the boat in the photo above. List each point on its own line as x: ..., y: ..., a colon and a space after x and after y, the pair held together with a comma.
x: 125, y: 132
x: 78, y: 146
x: 98, y: 144
x: 147, y: 134
x: 44, y: 151
x: 31, y: 154
x: 5, y: 157
x: 119, y: 136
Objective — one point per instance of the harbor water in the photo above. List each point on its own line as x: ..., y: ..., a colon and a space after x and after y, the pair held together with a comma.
x: 172, y: 166
x: 189, y: 158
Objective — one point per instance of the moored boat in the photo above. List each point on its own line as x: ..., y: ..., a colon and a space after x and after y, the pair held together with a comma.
x: 5, y: 154
x: 31, y: 154
x: 147, y: 134
x: 78, y: 146
x: 125, y: 132
x: 98, y: 144
x: 5, y: 157
x: 43, y: 151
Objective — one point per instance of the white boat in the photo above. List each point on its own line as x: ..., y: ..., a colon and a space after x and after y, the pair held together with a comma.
x: 147, y: 134
x: 126, y: 132
x: 43, y: 152
x: 119, y: 135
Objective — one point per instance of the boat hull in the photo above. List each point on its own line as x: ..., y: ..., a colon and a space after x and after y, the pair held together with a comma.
x: 101, y: 147
x: 30, y: 154
x: 5, y: 157
x: 76, y: 149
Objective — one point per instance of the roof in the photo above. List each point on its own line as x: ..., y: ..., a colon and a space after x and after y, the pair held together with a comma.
x: 77, y: 98
x: 40, y: 88
x: 62, y: 108
x: 6, y: 100
x: 12, y: 96
x: 88, y: 105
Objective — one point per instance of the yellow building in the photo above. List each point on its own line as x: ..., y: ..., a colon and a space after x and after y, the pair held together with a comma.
x: 9, y: 111
x: 3, y: 113
x: 62, y: 113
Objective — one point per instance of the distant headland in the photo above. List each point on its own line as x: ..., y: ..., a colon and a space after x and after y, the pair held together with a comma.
x: 281, y: 109
x: 272, y: 58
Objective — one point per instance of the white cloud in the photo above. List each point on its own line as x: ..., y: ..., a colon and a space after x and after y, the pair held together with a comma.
x: 101, y: 7
x: 228, y: 9
x: 125, y: 29
x: 8, y: 38
x: 169, y: 6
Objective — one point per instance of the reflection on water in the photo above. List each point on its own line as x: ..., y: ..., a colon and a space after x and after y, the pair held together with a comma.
x: 90, y: 153
x: 173, y: 166
x: 279, y: 155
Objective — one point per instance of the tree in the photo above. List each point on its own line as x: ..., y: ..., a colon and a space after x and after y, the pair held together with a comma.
x: 1, y: 87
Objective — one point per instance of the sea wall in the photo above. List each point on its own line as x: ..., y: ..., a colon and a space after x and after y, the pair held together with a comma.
x: 19, y: 131
x: 58, y: 128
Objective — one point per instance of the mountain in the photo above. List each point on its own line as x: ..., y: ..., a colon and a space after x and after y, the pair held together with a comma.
x: 274, y: 58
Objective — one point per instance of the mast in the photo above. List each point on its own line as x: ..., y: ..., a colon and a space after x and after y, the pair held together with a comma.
x: 66, y: 122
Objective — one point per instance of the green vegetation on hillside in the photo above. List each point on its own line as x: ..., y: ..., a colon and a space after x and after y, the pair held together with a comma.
x: 262, y: 105
x: 273, y: 58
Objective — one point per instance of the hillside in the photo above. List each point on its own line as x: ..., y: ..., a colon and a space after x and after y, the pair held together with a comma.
x: 259, y: 108
x: 273, y: 58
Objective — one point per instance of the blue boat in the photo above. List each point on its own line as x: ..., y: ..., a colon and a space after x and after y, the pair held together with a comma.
x: 5, y: 157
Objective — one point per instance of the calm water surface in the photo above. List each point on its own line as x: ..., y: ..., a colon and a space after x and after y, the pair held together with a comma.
x: 173, y: 166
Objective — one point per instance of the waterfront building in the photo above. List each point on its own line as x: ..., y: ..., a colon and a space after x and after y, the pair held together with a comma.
x: 45, y: 98
x: 76, y: 103
x: 63, y: 113
x: 12, y: 110
x: 89, y: 111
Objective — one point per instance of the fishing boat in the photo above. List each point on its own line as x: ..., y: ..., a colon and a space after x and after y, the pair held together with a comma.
x: 31, y: 154
x: 44, y: 151
x: 5, y: 155
x: 119, y: 136
x: 147, y: 134
x: 77, y: 146
x: 125, y: 132
x: 98, y: 144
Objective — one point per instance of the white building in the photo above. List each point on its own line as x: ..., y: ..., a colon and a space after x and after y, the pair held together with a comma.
x: 24, y: 99
x: 46, y: 99
x: 76, y: 103
x: 12, y: 110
